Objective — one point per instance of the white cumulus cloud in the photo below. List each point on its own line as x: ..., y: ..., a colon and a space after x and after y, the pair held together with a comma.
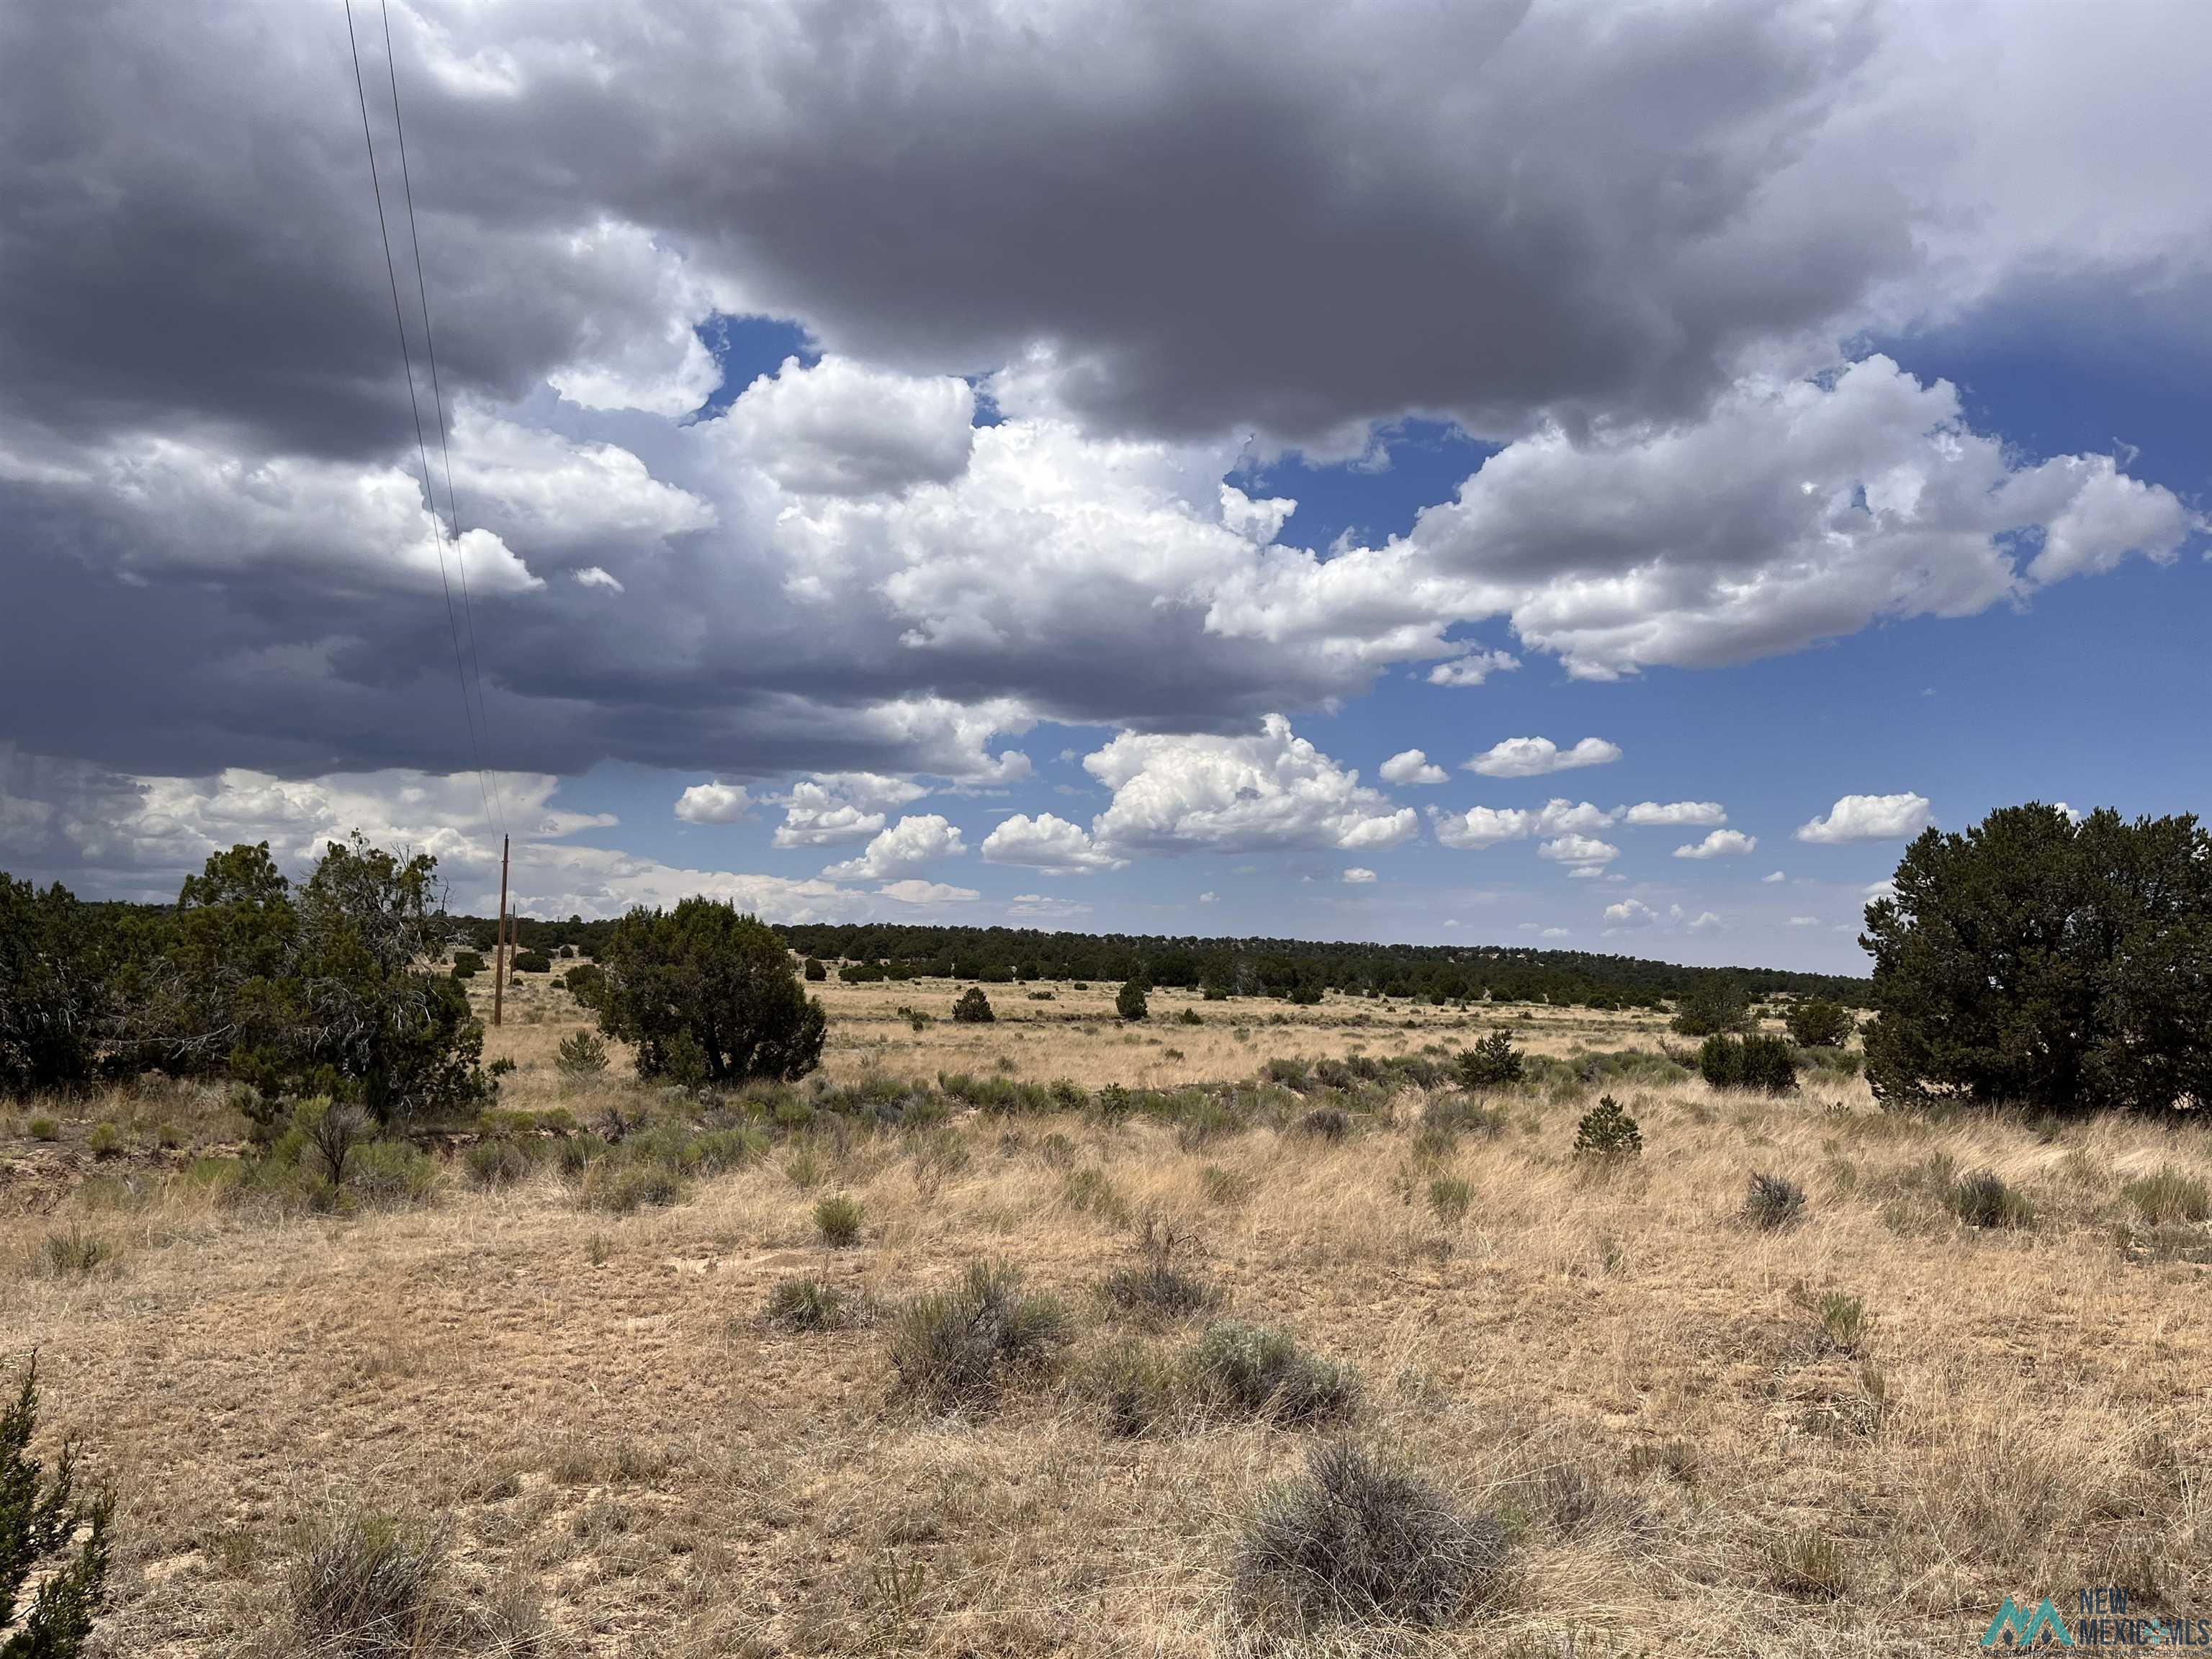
x: 1584, y: 850
x: 712, y: 803
x: 1412, y: 766
x: 1358, y: 876
x: 1869, y: 817
x: 1271, y: 788
x: 1722, y: 843
x: 902, y: 850
x: 1531, y: 757
x: 1047, y: 843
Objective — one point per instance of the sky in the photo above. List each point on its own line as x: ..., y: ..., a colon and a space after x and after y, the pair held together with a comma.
x: 1583, y: 475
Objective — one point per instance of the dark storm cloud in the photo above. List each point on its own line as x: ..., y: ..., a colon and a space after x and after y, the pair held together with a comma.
x: 1287, y: 217
x: 1177, y: 224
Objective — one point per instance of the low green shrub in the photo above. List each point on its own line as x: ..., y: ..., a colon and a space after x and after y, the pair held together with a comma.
x: 388, y: 1172
x: 50, y: 1535
x: 1768, y: 1064
x: 973, y: 1007
x: 1606, y: 1135
x: 580, y: 1054
x: 1817, y: 1023
x: 1330, y: 1123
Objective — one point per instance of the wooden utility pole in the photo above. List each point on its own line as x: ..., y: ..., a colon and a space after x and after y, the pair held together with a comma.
x: 499, y: 941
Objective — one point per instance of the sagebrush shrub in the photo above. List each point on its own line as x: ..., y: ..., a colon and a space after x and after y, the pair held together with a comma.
x: 1773, y: 1202
x: 1359, y: 1539
x: 962, y: 1347
x: 496, y: 1163
x: 1138, y: 1389
x: 41, y: 1520
x: 1256, y: 1370
x: 1330, y: 1123
x: 1606, y: 1135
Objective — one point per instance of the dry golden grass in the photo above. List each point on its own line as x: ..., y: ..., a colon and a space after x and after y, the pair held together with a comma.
x: 594, y: 1411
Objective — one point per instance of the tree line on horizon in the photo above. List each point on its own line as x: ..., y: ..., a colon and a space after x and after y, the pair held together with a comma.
x: 2031, y: 960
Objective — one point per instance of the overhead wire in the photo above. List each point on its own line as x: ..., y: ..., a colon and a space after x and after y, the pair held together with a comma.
x: 421, y: 444
x: 438, y: 408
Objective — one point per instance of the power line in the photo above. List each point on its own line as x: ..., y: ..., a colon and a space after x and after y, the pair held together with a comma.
x: 438, y: 407
x: 422, y: 446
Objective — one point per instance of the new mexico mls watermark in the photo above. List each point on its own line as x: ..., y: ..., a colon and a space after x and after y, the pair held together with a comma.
x: 2099, y: 1617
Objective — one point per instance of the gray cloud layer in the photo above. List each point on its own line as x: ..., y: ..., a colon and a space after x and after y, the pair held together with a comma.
x: 1617, y: 240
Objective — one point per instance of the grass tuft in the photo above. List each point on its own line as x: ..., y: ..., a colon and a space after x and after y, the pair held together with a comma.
x: 963, y: 1346
x: 1255, y: 1371
x: 1361, y: 1539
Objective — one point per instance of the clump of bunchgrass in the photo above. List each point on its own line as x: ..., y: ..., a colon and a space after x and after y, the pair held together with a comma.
x: 1450, y: 1197
x: 363, y: 1586
x: 1809, y: 1564
x: 1359, y: 1539
x: 963, y: 1346
x: 1256, y: 1370
x: 1157, y: 1287
x: 837, y: 1219
x: 2169, y: 1196
x: 807, y: 1304
x: 1982, y: 1199
x: 1773, y: 1202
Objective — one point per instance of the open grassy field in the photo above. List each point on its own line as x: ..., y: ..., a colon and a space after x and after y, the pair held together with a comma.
x: 1854, y: 1432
